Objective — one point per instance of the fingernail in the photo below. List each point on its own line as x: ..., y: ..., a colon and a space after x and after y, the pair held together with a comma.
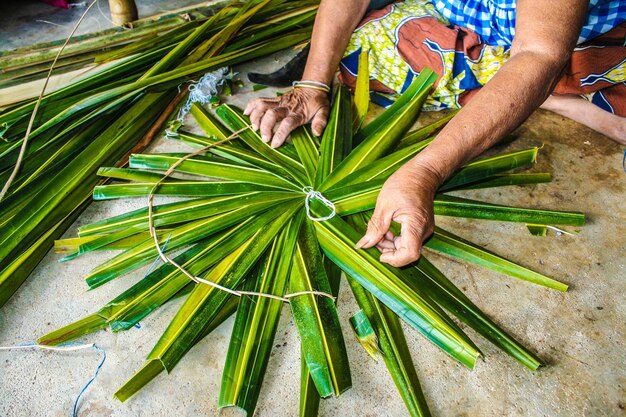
x: 265, y: 138
x: 360, y: 243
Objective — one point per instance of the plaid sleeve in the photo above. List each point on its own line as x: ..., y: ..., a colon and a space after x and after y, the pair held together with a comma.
x: 494, y: 20
x: 603, y: 16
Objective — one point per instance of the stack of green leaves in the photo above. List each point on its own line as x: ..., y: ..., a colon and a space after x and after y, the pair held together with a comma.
x: 98, y: 121
x: 154, y: 34
x: 242, y: 221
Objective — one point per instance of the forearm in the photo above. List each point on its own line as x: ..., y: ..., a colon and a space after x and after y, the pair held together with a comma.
x: 335, y: 21
x: 519, y: 88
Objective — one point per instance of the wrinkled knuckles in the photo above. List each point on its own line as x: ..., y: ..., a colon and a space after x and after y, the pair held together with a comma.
x: 376, y: 227
x: 413, y: 254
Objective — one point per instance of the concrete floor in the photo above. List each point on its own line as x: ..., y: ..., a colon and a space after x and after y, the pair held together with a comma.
x: 580, y: 334
x: 34, y: 21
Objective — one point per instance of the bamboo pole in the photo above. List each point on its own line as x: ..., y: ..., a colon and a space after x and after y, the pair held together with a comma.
x: 123, y: 11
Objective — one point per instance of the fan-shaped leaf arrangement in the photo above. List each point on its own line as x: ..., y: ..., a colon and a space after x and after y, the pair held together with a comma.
x: 243, y: 223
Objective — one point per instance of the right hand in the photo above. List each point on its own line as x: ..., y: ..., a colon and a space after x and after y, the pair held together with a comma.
x: 292, y: 109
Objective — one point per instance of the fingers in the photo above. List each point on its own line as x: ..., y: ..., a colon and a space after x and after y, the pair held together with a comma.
x: 377, y: 228
x: 288, y: 124
x: 408, y: 245
x: 269, y: 120
x: 289, y: 111
x: 387, y: 243
x: 250, y: 106
x: 257, y: 108
x: 267, y: 113
x: 318, y: 123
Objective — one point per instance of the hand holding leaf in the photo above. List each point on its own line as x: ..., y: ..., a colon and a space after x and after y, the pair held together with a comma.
x: 405, y: 198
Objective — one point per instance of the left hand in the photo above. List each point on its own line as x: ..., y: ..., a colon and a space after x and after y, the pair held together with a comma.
x: 406, y: 198
x: 292, y: 109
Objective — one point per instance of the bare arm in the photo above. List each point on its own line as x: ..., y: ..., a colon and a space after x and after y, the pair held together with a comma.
x: 334, y: 24
x: 546, y: 34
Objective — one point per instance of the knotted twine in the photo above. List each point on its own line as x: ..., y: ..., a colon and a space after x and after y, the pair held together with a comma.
x: 308, y: 191
x: 312, y: 194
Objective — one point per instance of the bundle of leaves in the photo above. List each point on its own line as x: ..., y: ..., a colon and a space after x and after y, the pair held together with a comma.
x: 98, y: 120
x: 249, y: 220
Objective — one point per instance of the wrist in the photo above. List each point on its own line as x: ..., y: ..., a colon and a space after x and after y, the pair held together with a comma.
x: 438, y: 160
x: 423, y: 175
x: 312, y: 85
x: 319, y: 75
x: 310, y: 94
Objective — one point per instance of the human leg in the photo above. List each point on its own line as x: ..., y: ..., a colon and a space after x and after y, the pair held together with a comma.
x: 582, y: 111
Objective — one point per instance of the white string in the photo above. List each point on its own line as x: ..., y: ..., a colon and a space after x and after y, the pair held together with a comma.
x: 46, y: 347
x: 201, y: 91
x: 560, y: 231
x: 71, y: 346
x: 153, y: 232
x: 311, y: 194
x: 50, y: 23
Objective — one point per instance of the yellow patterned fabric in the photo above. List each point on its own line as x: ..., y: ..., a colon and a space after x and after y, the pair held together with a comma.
x: 391, y: 34
x: 378, y: 35
x: 407, y: 36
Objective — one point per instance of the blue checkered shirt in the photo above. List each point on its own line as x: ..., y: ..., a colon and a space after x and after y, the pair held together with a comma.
x: 494, y: 20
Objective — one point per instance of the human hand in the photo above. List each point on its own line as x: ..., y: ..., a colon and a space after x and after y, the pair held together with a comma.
x: 293, y: 109
x: 405, y: 198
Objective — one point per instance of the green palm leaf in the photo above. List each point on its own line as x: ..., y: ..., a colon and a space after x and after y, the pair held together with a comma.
x: 316, y: 318
x: 235, y: 119
x: 212, y: 169
x: 453, y: 300
x: 203, y: 304
x: 384, y: 139
x: 361, y: 91
x: 178, y: 237
x: 153, y: 368
x: 337, y: 239
x: 253, y: 333
x: 238, y: 153
x: 309, y: 397
x: 178, y: 189
x: 425, y: 132
x: 308, y: 152
x: 337, y: 137
x: 241, y: 224
x: 448, y: 243
x: 394, y: 349
x: 184, y: 211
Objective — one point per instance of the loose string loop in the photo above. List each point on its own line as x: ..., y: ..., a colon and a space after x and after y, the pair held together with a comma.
x: 312, y: 194
x: 67, y: 347
x: 166, y: 259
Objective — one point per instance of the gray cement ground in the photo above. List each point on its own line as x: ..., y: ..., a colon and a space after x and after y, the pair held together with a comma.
x: 580, y: 334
